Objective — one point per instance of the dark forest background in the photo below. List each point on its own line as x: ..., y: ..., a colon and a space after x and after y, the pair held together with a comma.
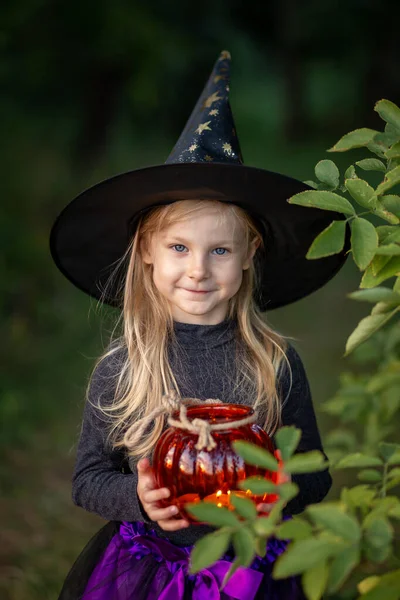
x: 91, y: 89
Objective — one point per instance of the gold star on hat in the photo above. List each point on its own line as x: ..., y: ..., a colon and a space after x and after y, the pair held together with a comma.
x: 203, y: 126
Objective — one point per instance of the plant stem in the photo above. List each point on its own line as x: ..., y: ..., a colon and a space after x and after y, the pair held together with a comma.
x: 384, y: 480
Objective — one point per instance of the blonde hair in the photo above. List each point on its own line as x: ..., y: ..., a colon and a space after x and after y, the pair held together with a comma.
x: 147, y: 327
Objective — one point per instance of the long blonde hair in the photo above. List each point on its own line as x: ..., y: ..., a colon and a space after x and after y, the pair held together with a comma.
x: 146, y: 326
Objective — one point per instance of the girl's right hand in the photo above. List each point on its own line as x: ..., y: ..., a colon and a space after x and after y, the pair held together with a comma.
x: 150, y: 496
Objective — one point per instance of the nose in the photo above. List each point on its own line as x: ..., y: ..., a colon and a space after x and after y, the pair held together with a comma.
x: 198, y: 267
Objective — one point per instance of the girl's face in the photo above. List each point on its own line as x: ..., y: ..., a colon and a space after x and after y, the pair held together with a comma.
x: 198, y: 266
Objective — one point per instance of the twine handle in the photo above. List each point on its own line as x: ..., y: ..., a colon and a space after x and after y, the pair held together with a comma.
x: 171, y: 403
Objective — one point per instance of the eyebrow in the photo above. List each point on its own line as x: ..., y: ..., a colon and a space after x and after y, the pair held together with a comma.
x: 178, y: 238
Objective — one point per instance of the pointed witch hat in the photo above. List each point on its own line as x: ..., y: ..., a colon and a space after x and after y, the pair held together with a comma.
x: 92, y: 233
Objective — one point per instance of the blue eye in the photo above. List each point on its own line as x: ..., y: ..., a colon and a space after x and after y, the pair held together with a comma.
x: 177, y: 246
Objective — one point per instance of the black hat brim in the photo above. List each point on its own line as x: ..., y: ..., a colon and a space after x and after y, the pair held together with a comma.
x: 92, y: 233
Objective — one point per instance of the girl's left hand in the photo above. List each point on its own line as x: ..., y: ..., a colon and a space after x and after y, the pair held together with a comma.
x: 281, y: 478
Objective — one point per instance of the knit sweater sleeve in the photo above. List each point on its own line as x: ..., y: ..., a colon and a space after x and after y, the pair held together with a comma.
x: 298, y: 410
x: 99, y: 484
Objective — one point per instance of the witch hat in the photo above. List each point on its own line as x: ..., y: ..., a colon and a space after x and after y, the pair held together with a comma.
x: 92, y: 233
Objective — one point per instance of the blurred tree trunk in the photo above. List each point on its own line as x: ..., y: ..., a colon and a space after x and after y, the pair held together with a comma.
x: 296, y: 124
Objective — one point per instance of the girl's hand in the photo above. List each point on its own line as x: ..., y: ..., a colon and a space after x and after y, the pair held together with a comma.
x: 150, y: 497
x: 281, y: 478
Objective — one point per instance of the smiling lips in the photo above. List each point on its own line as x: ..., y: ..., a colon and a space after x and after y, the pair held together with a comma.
x: 197, y: 291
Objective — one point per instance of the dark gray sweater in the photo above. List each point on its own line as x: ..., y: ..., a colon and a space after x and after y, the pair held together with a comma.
x: 203, y: 363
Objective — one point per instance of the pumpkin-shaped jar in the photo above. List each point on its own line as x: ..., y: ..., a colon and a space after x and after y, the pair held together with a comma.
x: 193, y: 474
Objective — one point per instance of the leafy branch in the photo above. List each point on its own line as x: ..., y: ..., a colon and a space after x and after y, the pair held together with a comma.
x: 335, y: 546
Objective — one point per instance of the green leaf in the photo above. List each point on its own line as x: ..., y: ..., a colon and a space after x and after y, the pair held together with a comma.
x: 395, y: 459
x: 378, y: 533
x: 210, y: 513
x: 264, y: 526
x: 369, y: 475
x: 244, y: 506
x: 209, y: 549
x: 386, y: 215
x: 365, y: 329
x: 358, y: 496
x: 384, y: 307
x: 394, y: 512
x: 387, y: 450
x: 287, y: 439
x: 314, y: 580
x: 323, y: 200
x: 261, y: 546
x: 371, y: 164
x: 306, y: 462
x: 329, y: 241
x: 378, y: 294
x: 392, y: 178
x: 294, y: 529
x: 341, y: 567
x: 354, y: 139
x: 394, y: 151
x: 258, y: 485
x: 388, y: 234
x: 389, y: 250
x: 350, y: 173
x: 364, y: 242
x: 254, y: 455
x: 389, y: 112
x: 362, y: 192
x: 327, y: 172
x: 358, y: 459
x: 391, y: 268
x: 394, y: 473
x: 330, y: 516
x: 392, y: 203
x: 385, y: 139
x: 304, y: 554
x: 311, y: 183
x: 385, y: 587
x: 377, y: 146
x: 288, y: 490
x: 368, y: 584
x: 232, y: 569
x: 275, y: 514
x: 243, y: 543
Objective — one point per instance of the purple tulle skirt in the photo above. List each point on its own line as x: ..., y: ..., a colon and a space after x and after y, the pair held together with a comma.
x: 136, y: 564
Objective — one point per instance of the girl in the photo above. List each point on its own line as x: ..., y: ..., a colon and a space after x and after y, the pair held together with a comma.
x: 192, y: 252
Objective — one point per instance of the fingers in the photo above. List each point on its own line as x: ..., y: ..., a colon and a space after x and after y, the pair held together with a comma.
x: 173, y: 524
x: 264, y: 507
x: 143, y: 465
x: 165, y: 517
x: 152, y: 496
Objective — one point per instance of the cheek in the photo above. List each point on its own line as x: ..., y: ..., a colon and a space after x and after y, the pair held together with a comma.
x: 165, y: 269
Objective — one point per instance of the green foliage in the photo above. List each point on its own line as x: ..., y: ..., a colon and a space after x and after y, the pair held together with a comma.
x: 209, y: 549
x: 329, y: 241
x: 324, y: 200
x: 287, y: 439
x: 256, y: 456
x: 335, y: 546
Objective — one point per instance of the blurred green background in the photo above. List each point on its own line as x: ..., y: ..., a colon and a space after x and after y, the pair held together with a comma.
x: 92, y: 89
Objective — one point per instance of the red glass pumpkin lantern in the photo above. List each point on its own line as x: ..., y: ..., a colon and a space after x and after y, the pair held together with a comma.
x: 211, y: 475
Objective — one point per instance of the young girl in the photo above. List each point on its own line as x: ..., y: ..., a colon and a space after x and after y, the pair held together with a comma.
x: 192, y: 252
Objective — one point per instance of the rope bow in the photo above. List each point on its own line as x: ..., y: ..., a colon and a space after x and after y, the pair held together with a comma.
x: 171, y: 403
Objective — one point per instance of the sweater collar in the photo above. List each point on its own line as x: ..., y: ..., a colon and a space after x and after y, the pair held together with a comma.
x: 205, y: 336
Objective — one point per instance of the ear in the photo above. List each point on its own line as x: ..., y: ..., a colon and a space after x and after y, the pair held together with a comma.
x: 145, y: 253
x: 253, y: 248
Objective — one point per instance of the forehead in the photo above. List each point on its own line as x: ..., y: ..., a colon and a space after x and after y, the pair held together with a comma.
x: 212, y: 224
